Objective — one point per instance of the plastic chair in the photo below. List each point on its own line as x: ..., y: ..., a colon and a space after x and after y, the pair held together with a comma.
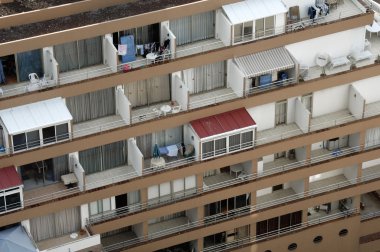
x: 33, y: 78
x: 176, y: 109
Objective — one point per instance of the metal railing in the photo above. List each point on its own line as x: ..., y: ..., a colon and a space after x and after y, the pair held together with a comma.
x: 277, y: 233
x: 232, y: 214
x: 248, y: 209
x: 93, y: 73
x: 183, y: 162
x: 368, y: 216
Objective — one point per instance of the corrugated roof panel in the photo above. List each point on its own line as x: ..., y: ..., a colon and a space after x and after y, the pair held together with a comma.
x: 250, y: 10
x: 222, y: 123
x: 9, y: 178
x: 35, y: 115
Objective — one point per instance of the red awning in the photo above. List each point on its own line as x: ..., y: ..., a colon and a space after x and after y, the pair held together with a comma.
x: 9, y: 178
x: 221, y: 123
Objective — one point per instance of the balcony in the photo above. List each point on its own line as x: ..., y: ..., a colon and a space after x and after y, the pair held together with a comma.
x: 370, y: 206
x: 341, y: 208
x: 81, y: 240
x: 255, y: 239
x: 331, y: 120
x: 113, y: 242
x: 98, y: 125
x: 350, y: 8
x: 280, y: 132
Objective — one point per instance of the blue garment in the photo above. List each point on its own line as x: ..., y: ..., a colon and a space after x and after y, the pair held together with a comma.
x: 131, y: 51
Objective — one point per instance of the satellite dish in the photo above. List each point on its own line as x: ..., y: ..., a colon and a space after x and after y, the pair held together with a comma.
x: 322, y: 60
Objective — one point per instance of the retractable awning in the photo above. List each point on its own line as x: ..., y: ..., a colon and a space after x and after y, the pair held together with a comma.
x: 34, y: 116
x: 249, y: 10
x: 265, y: 62
x: 222, y: 123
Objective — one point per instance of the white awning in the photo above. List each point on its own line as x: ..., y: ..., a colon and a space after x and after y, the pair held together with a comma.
x: 34, y: 116
x: 265, y: 62
x: 249, y: 10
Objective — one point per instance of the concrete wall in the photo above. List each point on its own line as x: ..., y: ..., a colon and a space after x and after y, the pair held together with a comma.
x: 123, y: 106
x: 330, y: 100
x: 263, y: 116
x: 325, y: 175
x: 110, y: 56
x: 223, y: 28
x: 135, y: 157
x: 302, y: 116
x: 356, y: 103
x: 369, y: 89
x: 306, y: 51
x: 235, y: 78
x: 180, y: 92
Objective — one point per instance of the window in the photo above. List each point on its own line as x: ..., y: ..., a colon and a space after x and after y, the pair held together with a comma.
x: 248, y: 30
x: 208, y: 149
x: 220, y: 146
x: 10, y: 199
x: 318, y: 239
x: 238, y: 32
x: 259, y: 28
x: 281, y: 112
x: 269, y: 26
x: 343, y: 232
x: 19, y: 142
x: 234, y: 142
x: 247, y: 139
x: 292, y: 246
x: 100, y: 206
x: 62, y: 131
x: 48, y: 134
x: 2, y: 203
x: 13, y: 201
x: 33, y: 138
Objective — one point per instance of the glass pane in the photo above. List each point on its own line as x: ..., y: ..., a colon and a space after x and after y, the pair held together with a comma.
x: 247, y: 139
x: 238, y: 32
x: 93, y: 208
x: 62, y: 131
x: 106, y: 204
x: 33, y: 138
x: 234, y: 143
x: 208, y: 149
x: 48, y: 134
x: 19, y: 142
x: 13, y: 201
x: 269, y: 26
x: 2, y: 204
x: 248, y: 30
x: 259, y: 28
x: 220, y: 146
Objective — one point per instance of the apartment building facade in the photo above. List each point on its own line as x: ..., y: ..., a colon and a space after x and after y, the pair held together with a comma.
x: 191, y: 126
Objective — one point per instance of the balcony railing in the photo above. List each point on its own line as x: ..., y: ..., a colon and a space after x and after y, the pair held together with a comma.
x: 183, y: 163
x: 275, y: 234
x: 245, y: 210
x: 89, y: 74
x: 209, y: 220
x: 369, y: 216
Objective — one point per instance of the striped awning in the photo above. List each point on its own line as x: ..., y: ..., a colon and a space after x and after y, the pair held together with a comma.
x: 265, y: 62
